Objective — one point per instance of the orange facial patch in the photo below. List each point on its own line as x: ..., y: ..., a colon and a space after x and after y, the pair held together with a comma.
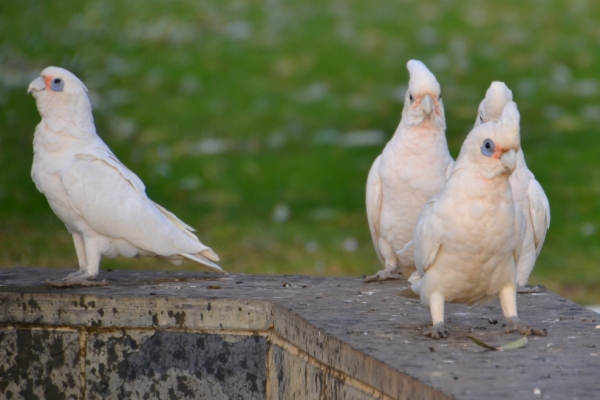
x: 47, y: 79
x: 497, y: 152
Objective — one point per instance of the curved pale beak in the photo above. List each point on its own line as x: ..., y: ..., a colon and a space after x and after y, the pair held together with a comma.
x: 37, y: 85
x: 427, y: 104
x: 509, y: 159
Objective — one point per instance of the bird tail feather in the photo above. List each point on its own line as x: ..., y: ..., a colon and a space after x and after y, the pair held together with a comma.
x: 178, y: 223
x: 414, y: 290
x: 205, y: 262
x: 408, y: 292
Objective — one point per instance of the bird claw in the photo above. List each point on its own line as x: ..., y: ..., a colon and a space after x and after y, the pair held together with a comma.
x: 383, y: 275
x: 515, y: 324
x: 78, y: 278
x: 527, y: 289
x: 437, y: 331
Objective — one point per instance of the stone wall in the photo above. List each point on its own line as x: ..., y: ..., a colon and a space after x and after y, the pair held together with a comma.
x: 61, y: 346
x: 155, y: 335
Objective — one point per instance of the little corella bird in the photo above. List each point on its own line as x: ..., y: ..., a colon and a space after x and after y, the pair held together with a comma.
x: 468, y: 237
x: 411, y: 169
x: 102, y: 203
x: 527, y: 192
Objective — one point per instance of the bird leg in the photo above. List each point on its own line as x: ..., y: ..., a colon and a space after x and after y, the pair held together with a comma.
x: 436, y: 306
x: 391, y: 270
x: 508, y: 302
x: 83, y: 276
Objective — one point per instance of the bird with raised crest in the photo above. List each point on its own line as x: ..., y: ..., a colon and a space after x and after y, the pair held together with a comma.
x: 411, y: 169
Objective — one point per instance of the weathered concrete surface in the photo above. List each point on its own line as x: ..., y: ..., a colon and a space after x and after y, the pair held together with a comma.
x: 333, y: 337
x: 39, y: 363
x: 156, y: 365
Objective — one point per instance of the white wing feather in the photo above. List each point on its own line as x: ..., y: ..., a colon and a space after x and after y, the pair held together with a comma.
x: 113, y: 202
x: 539, y: 208
x: 374, y: 199
x: 427, y: 239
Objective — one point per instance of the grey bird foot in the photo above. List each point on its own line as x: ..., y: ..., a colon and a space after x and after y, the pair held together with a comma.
x: 383, y: 275
x: 437, y: 331
x: 530, y: 289
x: 515, y: 324
x: 64, y: 283
x: 78, y: 278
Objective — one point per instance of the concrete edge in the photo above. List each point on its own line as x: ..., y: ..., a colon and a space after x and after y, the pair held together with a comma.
x: 346, y: 363
x: 135, y: 311
x: 281, y: 327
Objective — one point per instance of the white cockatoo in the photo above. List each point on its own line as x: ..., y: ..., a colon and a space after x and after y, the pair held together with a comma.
x: 468, y: 237
x: 527, y: 192
x: 411, y: 169
x: 102, y: 203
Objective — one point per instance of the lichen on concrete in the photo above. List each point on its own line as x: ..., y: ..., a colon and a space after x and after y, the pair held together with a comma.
x: 39, y: 364
x: 158, y: 365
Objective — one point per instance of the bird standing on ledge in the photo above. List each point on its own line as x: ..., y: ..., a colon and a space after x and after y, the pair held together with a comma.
x: 411, y: 169
x: 102, y: 203
x: 469, y: 237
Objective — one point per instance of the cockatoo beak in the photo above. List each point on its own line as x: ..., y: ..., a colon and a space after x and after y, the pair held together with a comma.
x: 37, y: 85
x: 509, y: 159
x: 427, y: 104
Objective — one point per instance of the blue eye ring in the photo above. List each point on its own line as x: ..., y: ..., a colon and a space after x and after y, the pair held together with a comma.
x: 57, y: 85
x: 488, y: 147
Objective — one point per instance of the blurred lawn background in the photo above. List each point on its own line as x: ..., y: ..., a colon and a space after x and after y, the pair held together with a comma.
x: 257, y: 121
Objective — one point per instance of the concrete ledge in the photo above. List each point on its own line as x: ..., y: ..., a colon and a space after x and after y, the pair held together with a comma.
x: 194, y: 335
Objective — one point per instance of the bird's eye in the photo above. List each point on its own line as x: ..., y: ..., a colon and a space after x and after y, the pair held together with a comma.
x: 57, y: 85
x: 487, y: 148
x: 480, y: 118
x: 439, y: 98
x: 411, y: 98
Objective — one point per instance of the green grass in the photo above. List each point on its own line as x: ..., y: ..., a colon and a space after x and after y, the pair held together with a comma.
x: 278, y: 83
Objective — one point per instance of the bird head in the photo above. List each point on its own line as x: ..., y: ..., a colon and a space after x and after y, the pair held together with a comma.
x: 493, y: 145
x: 423, y: 99
x: 491, y: 107
x: 59, y: 92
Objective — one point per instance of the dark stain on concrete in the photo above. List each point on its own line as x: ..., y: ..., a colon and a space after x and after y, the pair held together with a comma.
x: 183, y: 362
x: 180, y: 318
x: 82, y: 303
x: 39, y: 363
x: 183, y: 387
x: 33, y: 304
